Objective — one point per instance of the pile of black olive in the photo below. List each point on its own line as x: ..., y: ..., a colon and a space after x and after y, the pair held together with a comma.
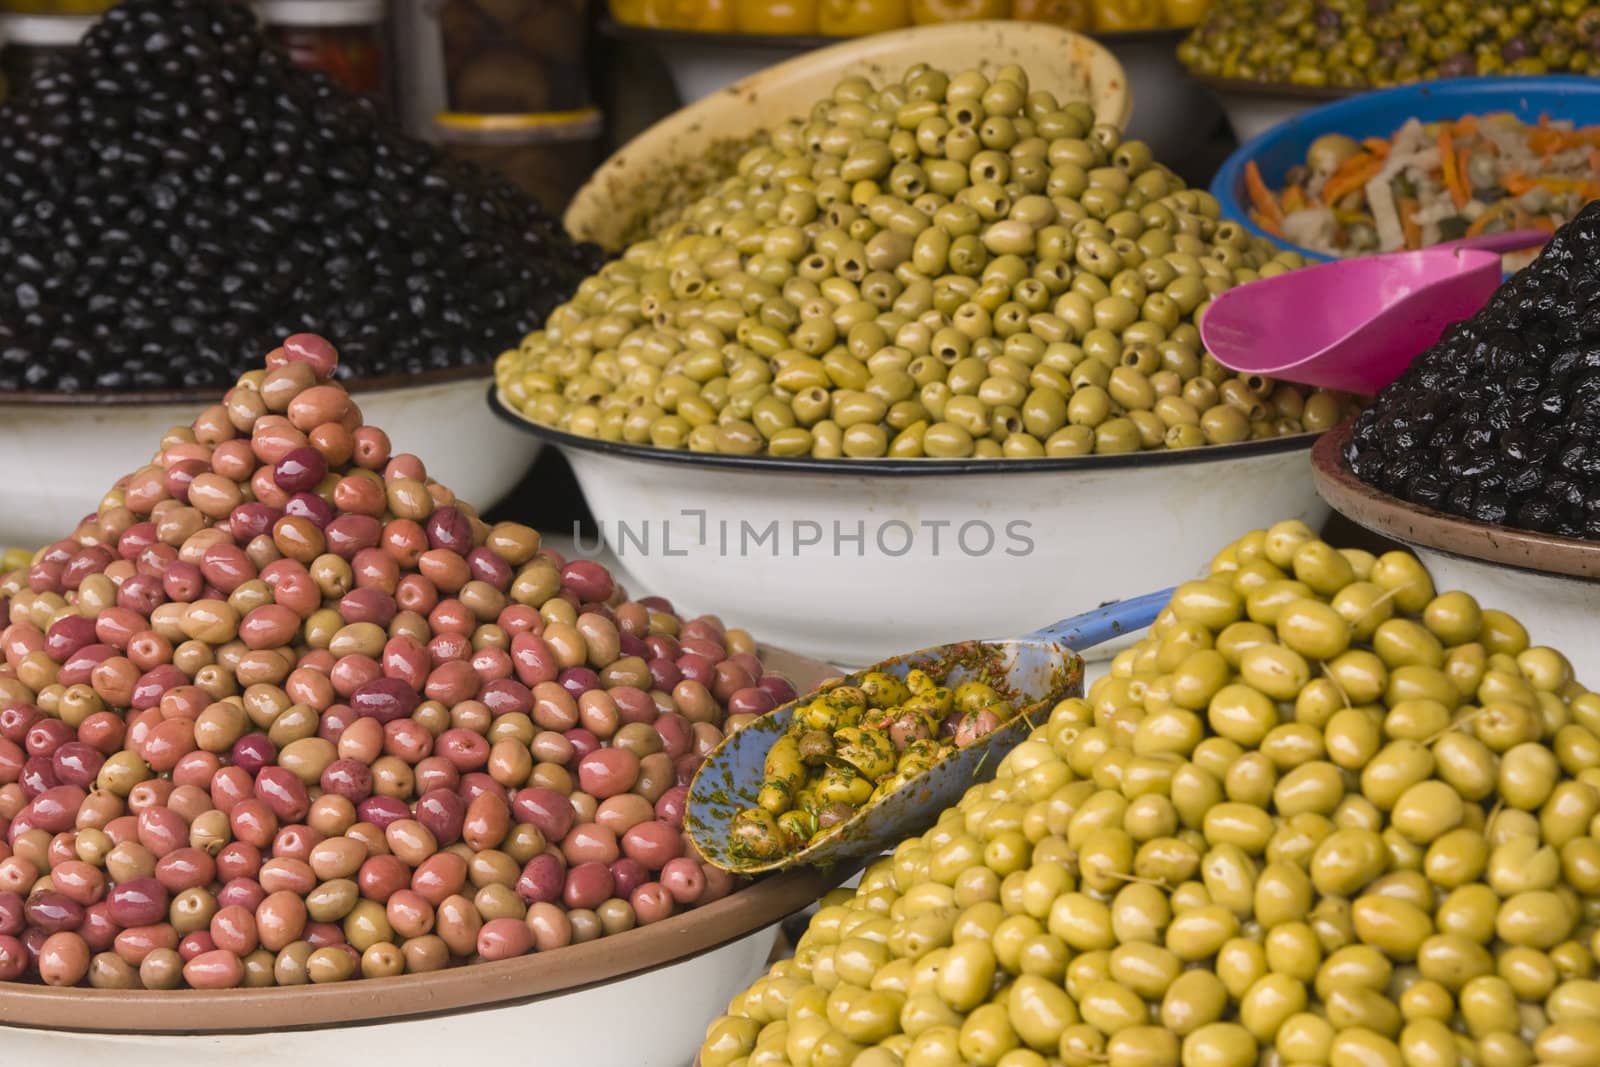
x: 1500, y: 420
x: 176, y: 196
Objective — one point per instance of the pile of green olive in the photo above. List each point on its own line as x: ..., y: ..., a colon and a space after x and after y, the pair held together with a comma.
x: 1321, y: 816
x: 946, y: 266
x: 850, y: 745
x: 1355, y: 44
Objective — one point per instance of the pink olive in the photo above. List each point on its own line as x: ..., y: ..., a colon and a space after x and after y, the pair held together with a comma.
x: 605, y: 772
x: 685, y: 879
x: 588, y: 885
x: 652, y: 902
x: 653, y: 843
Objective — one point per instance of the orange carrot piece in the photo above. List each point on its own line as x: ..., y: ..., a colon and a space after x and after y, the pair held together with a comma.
x: 1453, y: 180
x: 1260, y: 195
x: 1294, y: 198
x: 1517, y: 184
x: 1350, y: 176
x: 1407, y: 207
x: 1467, y: 126
x: 1265, y: 223
x: 1376, y: 145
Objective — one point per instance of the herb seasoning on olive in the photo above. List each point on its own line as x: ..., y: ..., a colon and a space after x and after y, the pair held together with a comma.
x: 851, y: 744
x: 1321, y: 816
x: 947, y: 267
x: 284, y: 710
x: 1500, y: 420
x: 176, y: 196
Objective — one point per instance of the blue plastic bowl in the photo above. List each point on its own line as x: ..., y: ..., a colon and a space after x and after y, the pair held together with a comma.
x: 1380, y: 114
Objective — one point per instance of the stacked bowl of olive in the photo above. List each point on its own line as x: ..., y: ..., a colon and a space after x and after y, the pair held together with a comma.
x: 1324, y: 813
x: 918, y: 332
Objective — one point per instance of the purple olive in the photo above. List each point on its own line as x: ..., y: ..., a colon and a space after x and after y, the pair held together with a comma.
x: 253, y: 752
x: 385, y: 699
x: 542, y: 879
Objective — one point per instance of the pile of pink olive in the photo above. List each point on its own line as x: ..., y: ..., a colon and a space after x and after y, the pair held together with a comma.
x: 283, y: 710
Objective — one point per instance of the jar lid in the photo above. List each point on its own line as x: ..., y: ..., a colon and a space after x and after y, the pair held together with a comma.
x: 49, y: 31
x: 521, y: 127
x: 321, y: 12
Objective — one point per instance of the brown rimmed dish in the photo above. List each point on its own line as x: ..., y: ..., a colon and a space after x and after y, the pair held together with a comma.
x: 1427, y: 528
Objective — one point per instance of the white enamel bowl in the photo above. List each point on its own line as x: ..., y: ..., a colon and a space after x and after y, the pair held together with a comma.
x: 1020, y: 543
x: 64, y: 453
x: 1550, y: 584
x: 1070, y: 65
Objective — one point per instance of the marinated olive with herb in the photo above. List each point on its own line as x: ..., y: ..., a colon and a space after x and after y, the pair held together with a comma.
x: 1277, y: 831
x: 849, y: 745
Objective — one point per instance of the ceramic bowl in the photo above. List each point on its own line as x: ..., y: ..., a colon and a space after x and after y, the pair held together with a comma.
x: 852, y: 561
x: 1174, y: 117
x: 1551, y: 584
x: 64, y: 452
x: 642, y: 999
x: 1283, y: 144
x: 1070, y: 65
x: 1255, y: 107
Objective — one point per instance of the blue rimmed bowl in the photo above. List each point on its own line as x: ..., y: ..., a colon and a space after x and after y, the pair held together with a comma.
x: 1381, y: 113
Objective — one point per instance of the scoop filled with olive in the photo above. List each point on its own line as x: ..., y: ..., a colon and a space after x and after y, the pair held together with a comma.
x: 850, y: 746
x: 942, y: 266
x: 1322, y: 814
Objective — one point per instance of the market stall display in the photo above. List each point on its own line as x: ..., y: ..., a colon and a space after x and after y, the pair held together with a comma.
x: 285, y: 711
x: 1357, y: 44
x: 243, y: 199
x: 1271, y: 60
x: 1369, y: 174
x: 1174, y: 115
x: 1322, y: 814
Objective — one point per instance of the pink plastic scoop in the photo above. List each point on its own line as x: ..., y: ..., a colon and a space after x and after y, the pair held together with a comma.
x: 1356, y: 324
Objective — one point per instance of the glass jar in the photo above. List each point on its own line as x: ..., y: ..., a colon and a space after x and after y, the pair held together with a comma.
x: 343, y: 39
x: 32, y: 41
x: 547, y: 155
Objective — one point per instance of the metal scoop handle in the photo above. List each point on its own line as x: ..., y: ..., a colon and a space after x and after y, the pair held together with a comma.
x: 1083, y: 632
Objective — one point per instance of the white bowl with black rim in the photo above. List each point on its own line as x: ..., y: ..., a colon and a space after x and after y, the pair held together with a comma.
x: 852, y: 561
x: 65, y: 450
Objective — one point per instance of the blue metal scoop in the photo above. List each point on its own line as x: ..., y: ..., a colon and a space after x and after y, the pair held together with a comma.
x: 1038, y: 669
